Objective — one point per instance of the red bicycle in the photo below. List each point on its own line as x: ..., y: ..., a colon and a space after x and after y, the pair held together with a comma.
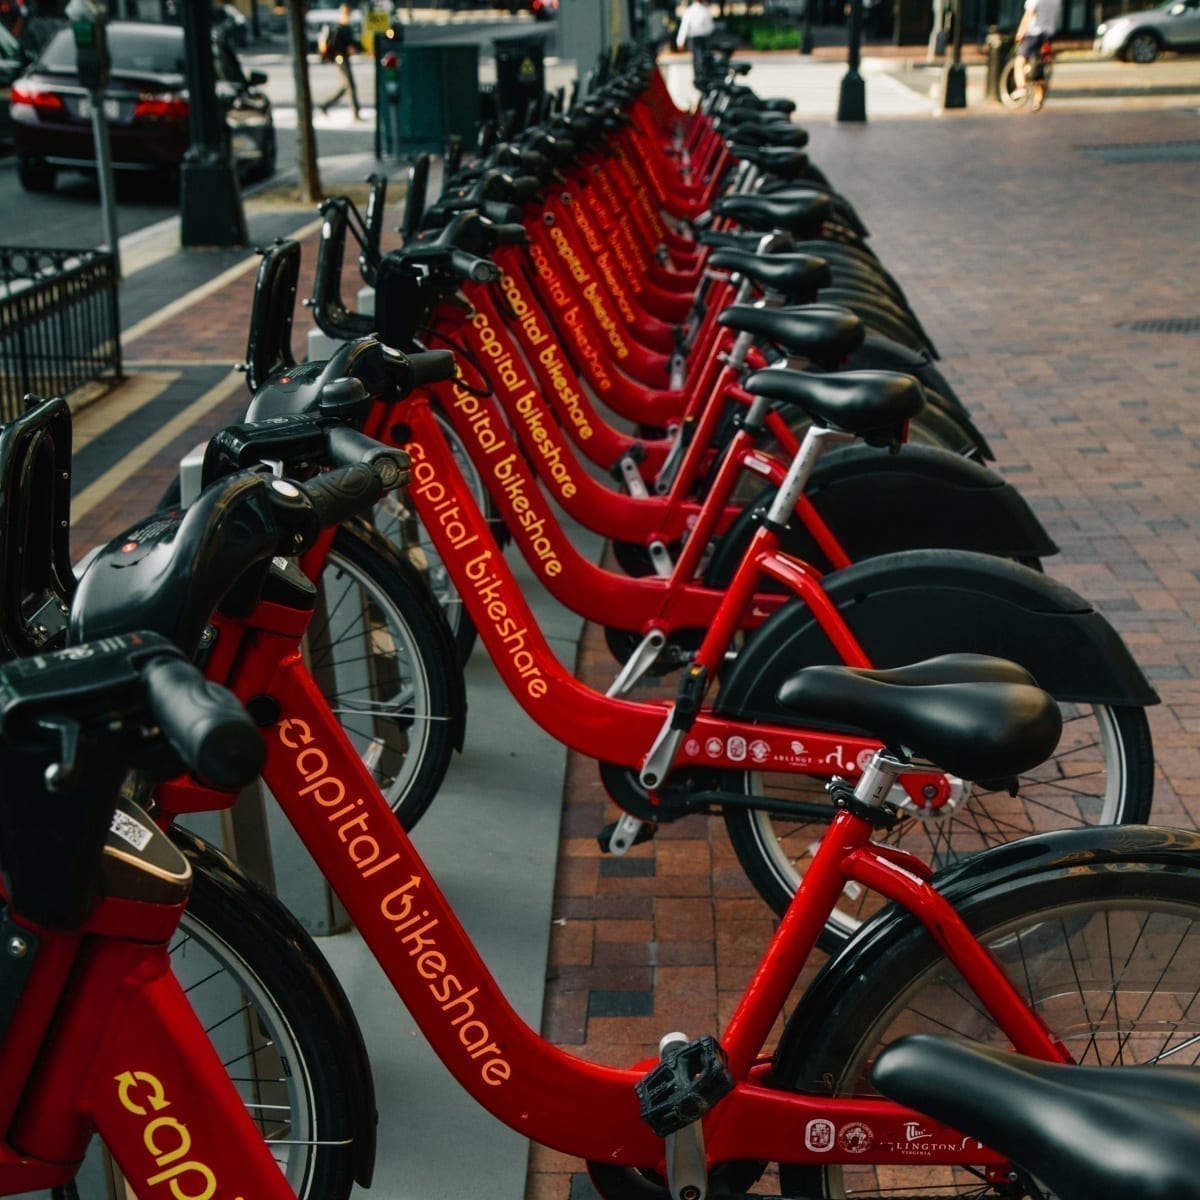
x: 743, y: 756
x: 984, y: 950
x: 97, y: 1034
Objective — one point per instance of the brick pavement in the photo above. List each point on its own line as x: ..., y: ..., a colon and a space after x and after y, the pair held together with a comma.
x: 1028, y: 245
x: 1026, y: 251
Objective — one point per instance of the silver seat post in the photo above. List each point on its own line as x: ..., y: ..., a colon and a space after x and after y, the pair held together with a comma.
x: 877, y: 779
x: 796, y: 479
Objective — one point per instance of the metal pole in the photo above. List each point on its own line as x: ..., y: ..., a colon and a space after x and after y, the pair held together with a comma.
x: 852, y: 98
x: 954, y: 80
x: 210, y: 202
x: 104, y: 172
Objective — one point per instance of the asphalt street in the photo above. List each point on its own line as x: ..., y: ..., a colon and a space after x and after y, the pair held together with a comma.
x: 70, y: 217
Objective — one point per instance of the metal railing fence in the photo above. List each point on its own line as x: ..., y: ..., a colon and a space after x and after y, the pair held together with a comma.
x: 59, y: 325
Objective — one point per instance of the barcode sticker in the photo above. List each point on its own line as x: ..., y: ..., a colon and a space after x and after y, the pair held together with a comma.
x: 130, y: 830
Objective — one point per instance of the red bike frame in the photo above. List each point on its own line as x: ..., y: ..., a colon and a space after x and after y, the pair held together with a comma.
x: 104, y: 1041
x: 540, y: 428
x: 601, y: 727
x: 575, y: 1106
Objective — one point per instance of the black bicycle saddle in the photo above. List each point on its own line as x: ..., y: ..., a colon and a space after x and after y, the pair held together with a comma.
x: 870, y: 404
x: 800, y: 215
x: 784, y: 162
x: 796, y: 276
x: 823, y: 333
x: 978, y: 720
x: 1105, y: 1133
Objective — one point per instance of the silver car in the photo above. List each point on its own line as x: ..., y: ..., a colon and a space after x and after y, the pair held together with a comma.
x: 1141, y: 36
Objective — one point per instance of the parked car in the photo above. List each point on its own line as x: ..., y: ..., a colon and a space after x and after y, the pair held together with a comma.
x: 146, y: 103
x: 317, y: 18
x: 1141, y: 36
x: 13, y: 60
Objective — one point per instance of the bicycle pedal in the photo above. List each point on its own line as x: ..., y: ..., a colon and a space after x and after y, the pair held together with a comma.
x: 689, y: 1080
x: 605, y: 836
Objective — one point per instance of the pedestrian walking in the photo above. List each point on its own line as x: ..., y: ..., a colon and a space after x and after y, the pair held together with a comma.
x: 336, y: 45
x: 695, y: 29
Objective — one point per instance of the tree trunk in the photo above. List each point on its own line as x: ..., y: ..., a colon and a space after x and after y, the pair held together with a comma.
x: 306, y: 139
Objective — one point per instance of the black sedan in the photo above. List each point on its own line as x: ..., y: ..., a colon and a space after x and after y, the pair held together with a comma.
x: 146, y: 104
x: 12, y: 62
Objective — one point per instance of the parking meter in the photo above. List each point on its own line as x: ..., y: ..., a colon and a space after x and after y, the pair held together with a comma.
x: 87, y: 19
x: 91, y: 43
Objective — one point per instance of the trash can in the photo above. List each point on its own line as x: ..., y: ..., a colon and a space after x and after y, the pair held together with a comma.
x: 427, y: 98
x: 520, y: 75
x: 998, y: 46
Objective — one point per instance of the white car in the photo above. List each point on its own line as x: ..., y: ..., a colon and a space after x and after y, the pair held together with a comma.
x: 1141, y: 36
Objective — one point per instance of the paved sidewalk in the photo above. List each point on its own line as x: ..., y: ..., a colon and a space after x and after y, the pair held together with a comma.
x: 1053, y: 259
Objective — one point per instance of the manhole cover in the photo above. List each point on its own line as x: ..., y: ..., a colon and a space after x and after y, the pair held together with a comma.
x: 1135, y: 152
x: 1163, y: 325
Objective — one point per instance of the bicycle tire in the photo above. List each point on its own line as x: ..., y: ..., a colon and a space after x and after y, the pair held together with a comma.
x: 270, y: 1019
x: 1108, y: 952
x: 377, y: 636
x: 1058, y: 794
x: 1010, y: 96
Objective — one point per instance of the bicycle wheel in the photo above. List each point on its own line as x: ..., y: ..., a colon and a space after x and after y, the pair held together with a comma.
x: 1012, y: 96
x: 381, y: 654
x: 1101, y: 774
x: 270, y: 1020
x: 1108, y: 954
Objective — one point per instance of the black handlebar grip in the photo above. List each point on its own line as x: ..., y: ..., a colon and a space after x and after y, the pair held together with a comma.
x: 205, y: 724
x: 347, y: 446
x: 469, y: 266
x: 510, y: 235
x: 341, y: 494
x: 431, y: 366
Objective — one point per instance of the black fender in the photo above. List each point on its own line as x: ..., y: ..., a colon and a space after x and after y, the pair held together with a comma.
x: 221, y: 872
x: 1060, y: 853
x: 931, y: 498
x: 418, y: 588
x: 945, y: 427
x: 878, y: 315
x: 936, y: 423
x: 916, y: 604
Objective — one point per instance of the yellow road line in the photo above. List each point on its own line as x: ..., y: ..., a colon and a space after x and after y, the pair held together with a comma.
x: 127, y: 397
x: 100, y: 489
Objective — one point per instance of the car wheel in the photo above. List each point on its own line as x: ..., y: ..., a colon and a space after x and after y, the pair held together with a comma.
x: 1143, y: 47
x: 35, y: 176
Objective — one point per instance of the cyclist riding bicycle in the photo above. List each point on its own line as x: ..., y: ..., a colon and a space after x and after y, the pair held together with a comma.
x: 1038, y: 25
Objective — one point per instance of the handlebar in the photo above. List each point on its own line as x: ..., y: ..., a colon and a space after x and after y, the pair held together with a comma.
x: 343, y: 387
x: 169, y: 574
x: 72, y: 724
x: 305, y: 509
x: 205, y: 724
x: 470, y: 266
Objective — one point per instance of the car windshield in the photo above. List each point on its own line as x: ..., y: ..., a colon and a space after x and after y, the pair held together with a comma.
x: 134, y: 51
